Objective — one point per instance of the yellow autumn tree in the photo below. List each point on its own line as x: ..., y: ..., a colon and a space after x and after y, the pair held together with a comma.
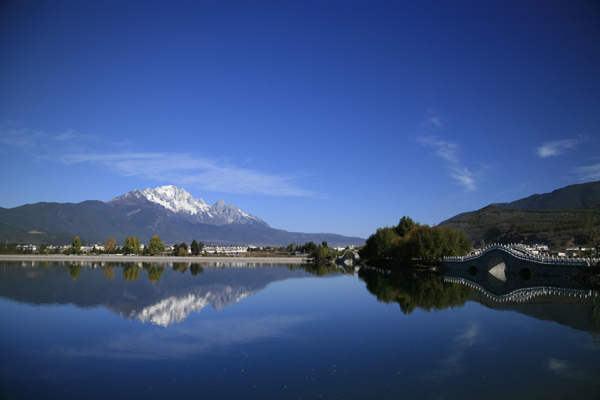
x: 109, y: 244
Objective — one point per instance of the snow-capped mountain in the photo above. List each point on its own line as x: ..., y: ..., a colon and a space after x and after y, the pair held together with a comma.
x: 181, y: 204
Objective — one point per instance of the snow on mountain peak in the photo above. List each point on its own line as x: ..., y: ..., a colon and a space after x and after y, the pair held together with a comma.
x: 175, y: 199
x: 183, y: 204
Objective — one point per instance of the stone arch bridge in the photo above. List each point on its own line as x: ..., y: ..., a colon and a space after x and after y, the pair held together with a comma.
x: 500, y: 260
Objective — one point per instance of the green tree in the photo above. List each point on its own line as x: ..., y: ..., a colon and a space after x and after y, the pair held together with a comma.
x: 182, y: 252
x: 405, y: 225
x: 323, y: 254
x: 156, y: 245
x: 430, y: 244
x: 196, y: 247
x: 128, y: 245
x: 377, y: 245
x: 76, y: 245
x: 131, y: 245
x: 307, y: 247
x: 292, y: 247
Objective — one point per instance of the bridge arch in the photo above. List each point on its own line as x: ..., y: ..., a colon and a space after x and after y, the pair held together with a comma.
x: 496, y: 269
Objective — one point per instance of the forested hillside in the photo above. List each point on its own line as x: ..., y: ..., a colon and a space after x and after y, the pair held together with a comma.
x: 556, y: 228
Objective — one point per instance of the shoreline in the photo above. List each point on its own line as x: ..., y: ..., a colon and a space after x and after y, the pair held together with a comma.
x: 153, y: 259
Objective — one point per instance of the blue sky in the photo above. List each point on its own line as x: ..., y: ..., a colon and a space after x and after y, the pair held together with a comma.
x: 326, y: 116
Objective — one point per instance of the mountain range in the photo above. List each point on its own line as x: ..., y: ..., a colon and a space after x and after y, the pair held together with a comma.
x: 167, y: 211
x: 566, y: 216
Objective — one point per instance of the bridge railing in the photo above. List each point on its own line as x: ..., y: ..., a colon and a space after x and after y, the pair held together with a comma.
x: 519, y: 251
x: 521, y: 295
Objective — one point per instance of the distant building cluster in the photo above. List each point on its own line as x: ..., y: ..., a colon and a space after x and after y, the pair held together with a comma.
x: 85, y: 249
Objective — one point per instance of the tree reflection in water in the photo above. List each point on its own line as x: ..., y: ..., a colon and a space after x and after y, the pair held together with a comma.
x: 131, y: 271
x: 74, y: 270
x: 411, y: 290
x: 196, y: 268
x: 322, y: 269
x: 108, y: 272
x: 155, y: 271
x: 180, y: 266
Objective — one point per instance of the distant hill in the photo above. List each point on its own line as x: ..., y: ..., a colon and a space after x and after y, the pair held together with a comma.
x: 169, y: 212
x: 567, y: 216
x: 567, y: 198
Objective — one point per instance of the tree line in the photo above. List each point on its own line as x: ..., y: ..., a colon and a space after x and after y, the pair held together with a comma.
x: 132, y: 245
x: 318, y: 252
x: 181, y: 250
x: 410, y: 241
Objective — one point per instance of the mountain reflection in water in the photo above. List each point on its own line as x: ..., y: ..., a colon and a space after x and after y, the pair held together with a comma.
x: 159, y: 298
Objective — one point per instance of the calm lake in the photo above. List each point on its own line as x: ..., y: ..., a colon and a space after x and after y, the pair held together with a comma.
x: 261, y: 331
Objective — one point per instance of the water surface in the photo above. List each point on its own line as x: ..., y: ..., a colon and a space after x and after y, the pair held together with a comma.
x: 256, y: 331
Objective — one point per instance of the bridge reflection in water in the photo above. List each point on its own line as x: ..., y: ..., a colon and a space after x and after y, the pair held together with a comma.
x: 545, y: 298
x: 524, y: 294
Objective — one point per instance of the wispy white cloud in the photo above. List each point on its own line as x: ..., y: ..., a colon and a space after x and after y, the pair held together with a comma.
x: 215, y: 336
x: 469, y: 336
x: 565, y: 369
x: 12, y: 134
x: 433, y: 122
x: 19, y: 137
x: 465, y: 178
x: 71, y: 136
x: 557, y: 147
x: 185, y: 169
x: 444, y: 149
x: 223, y: 175
x: 448, y: 151
x: 453, y: 364
x: 589, y: 173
